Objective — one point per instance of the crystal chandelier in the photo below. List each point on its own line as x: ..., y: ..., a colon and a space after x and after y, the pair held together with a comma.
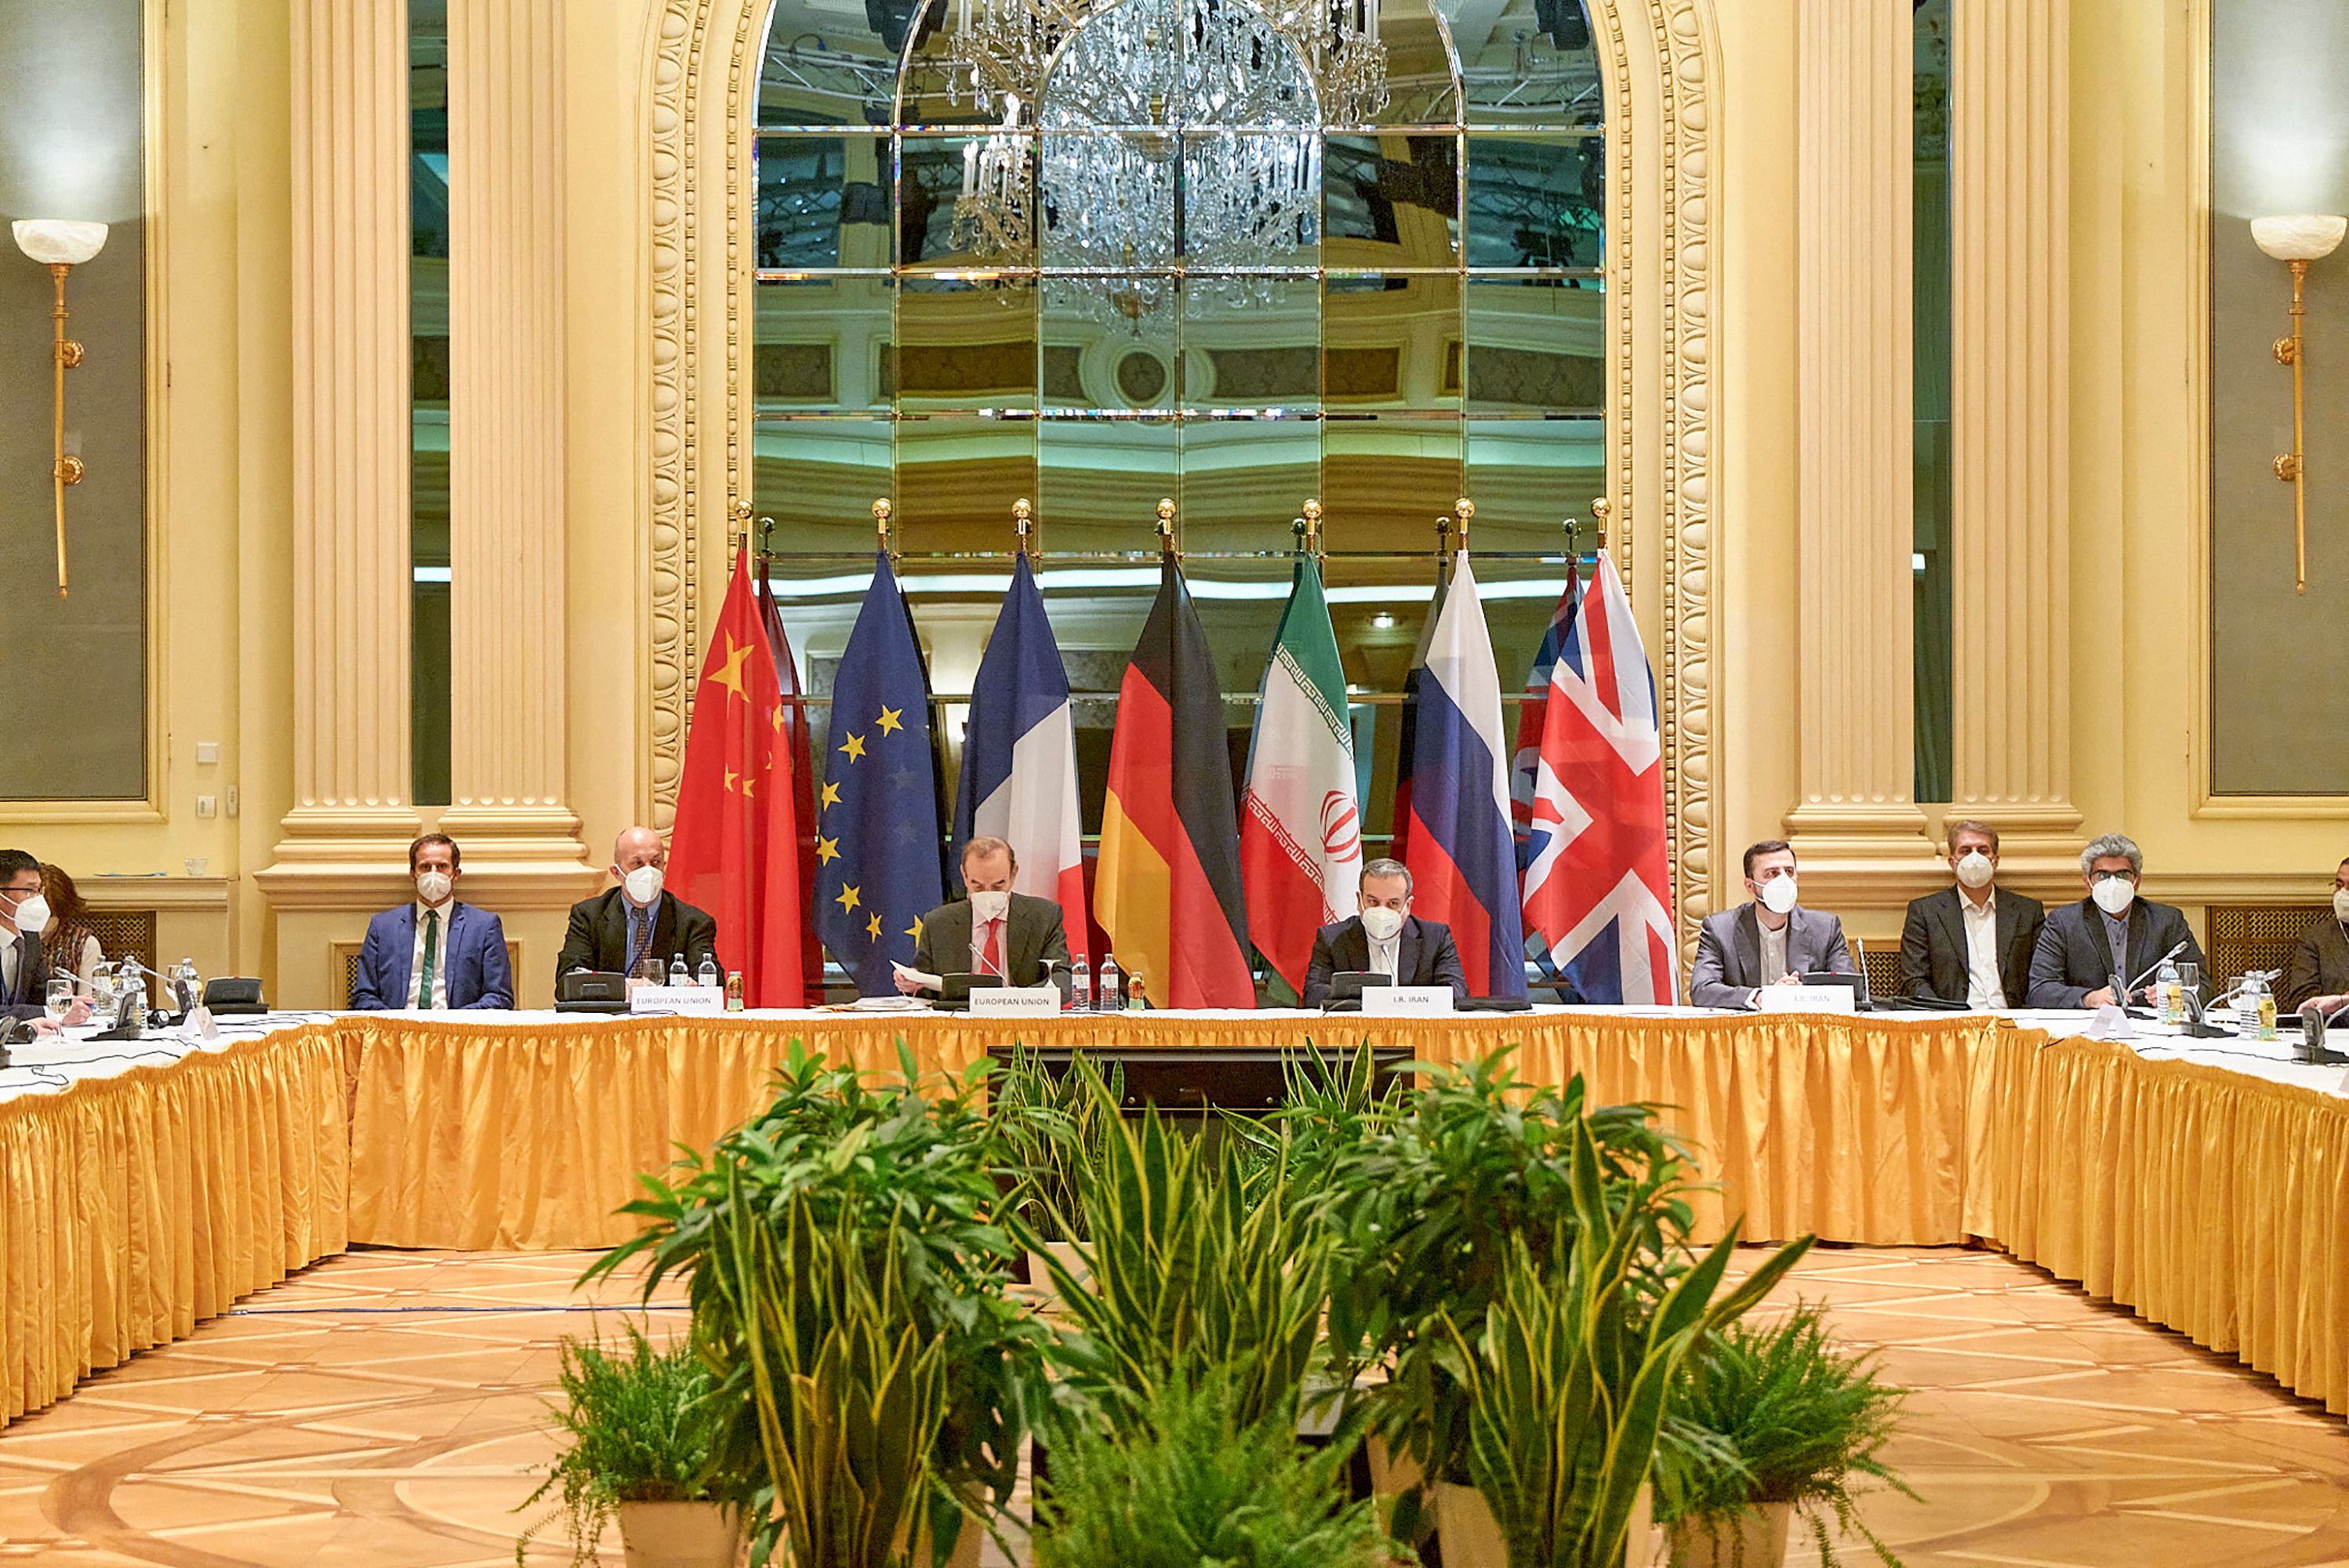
x: 1220, y: 98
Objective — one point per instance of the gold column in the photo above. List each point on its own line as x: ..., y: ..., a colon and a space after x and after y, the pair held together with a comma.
x: 1854, y: 342
x: 2009, y: 157
x: 351, y: 817
x: 508, y: 759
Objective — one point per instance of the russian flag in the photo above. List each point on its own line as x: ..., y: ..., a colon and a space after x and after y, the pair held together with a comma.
x: 1018, y: 777
x: 1461, y: 851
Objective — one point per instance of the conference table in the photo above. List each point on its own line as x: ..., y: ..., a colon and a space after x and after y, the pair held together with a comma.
x: 145, y: 1186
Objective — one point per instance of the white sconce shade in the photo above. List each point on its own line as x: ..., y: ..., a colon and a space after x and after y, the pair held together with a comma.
x: 2302, y: 239
x: 53, y: 240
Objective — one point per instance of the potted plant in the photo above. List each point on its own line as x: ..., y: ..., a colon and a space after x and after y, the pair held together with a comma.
x: 1185, y: 1478
x: 1426, y: 1197
x: 897, y: 1187
x: 1800, y: 1421
x: 642, y: 1431
x: 1565, y: 1383
x: 1049, y: 1132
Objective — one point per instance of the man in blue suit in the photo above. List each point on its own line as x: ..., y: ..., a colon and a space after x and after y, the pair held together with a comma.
x: 435, y: 952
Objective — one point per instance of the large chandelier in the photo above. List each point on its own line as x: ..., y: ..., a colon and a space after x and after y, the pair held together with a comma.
x: 1219, y: 99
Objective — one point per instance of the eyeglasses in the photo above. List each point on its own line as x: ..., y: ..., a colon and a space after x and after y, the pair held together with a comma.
x: 2112, y: 876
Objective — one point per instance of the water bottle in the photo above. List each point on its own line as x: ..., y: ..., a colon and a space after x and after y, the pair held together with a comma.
x: 2263, y: 1005
x: 734, y: 991
x: 677, y: 970
x: 2172, y: 994
x: 184, y: 982
x: 709, y: 975
x: 1112, y: 1000
x: 1080, y: 987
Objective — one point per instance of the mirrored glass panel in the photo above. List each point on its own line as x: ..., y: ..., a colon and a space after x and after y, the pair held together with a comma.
x: 823, y: 344
x: 1535, y: 201
x: 1391, y: 341
x: 1532, y: 64
x: 1252, y: 342
x: 966, y: 345
x: 1386, y: 478
x: 824, y: 201
x: 1536, y: 345
x: 818, y: 478
x: 955, y: 477
x: 1391, y: 202
x: 1103, y: 478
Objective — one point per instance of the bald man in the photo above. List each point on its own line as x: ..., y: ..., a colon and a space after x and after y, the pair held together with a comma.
x: 616, y: 930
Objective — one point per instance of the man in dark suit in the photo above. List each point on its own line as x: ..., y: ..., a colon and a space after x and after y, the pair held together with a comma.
x: 1767, y: 941
x: 2112, y: 932
x: 433, y: 952
x: 614, y: 932
x: 991, y: 930
x: 1384, y: 938
x: 23, y: 972
x: 1970, y: 942
x: 2318, y: 971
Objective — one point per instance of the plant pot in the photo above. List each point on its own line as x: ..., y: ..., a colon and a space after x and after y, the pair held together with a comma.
x: 680, y: 1534
x: 1464, y: 1525
x: 1752, y: 1537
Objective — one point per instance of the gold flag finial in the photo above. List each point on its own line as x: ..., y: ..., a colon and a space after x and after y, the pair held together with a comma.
x: 1166, y: 524
x: 1598, y: 510
x: 881, y: 520
x: 1023, y: 523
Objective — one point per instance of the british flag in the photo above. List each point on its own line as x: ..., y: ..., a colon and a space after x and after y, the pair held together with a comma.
x: 1588, y: 784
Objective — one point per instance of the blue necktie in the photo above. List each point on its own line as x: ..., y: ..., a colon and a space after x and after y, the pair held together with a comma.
x: 640, y: 931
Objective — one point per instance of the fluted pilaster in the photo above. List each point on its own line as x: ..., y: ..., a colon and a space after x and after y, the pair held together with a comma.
x: 508, y: 755
x: 1855, y: 341
x: 2010, y: 159
x: 350, y: 434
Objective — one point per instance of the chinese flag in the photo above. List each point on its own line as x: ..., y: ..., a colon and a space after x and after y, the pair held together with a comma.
x: 735, y: 849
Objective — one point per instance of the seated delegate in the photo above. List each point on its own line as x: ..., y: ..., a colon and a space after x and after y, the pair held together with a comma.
x: 2111, y: 933
x: 434, y: 952
x: 1769, y: 940
x: 1384, y: 938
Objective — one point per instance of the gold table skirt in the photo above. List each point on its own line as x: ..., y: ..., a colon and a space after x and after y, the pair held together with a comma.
x: 2211, y: 1202
x: 133, y: 1207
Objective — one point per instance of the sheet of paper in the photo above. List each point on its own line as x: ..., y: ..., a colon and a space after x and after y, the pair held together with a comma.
x: 921, y: 977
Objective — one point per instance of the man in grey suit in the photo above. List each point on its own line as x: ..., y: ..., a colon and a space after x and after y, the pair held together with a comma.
x: 2319, y: 969
x: 991, y: 930
x: 1972, y: 943
x: 2112, y: 932
x: 1767, y: 941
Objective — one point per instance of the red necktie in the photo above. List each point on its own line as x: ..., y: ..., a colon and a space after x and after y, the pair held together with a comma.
x: 990, y: 952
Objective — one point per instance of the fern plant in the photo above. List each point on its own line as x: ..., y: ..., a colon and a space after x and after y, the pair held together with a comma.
x: 1185, y: 1479
x: 1803, y: 1420
x: 642, y: 1428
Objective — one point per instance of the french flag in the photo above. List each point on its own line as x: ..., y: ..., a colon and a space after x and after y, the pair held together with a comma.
x: 1019, y: 757
x: 1462, y: 854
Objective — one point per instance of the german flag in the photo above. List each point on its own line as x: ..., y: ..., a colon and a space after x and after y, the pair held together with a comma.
x: 1168, y: 888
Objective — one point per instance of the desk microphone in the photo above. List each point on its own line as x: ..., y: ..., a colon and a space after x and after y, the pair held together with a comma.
x: 2128, y: 990
x: 2313, y: 1021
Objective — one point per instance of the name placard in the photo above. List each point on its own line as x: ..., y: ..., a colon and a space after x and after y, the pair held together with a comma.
x: 1808, y: 999
x: 1406, y: 1001
x: 1016, y: 1002
x: 677, y: 999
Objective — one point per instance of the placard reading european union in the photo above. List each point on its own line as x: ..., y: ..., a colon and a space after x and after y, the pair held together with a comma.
x: 693, y: 999
x: 1016, y: 1002
x: 1406, y: 1001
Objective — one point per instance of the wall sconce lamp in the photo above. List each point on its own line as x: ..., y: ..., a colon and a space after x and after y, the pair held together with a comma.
x: 61, y: 246
x: 2296, y: 241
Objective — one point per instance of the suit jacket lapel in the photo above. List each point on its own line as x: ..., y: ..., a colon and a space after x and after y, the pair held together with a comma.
x: 615, y: 926
x: 1351, y: 950
x: 1749, y: 950
x: 1406, y: 954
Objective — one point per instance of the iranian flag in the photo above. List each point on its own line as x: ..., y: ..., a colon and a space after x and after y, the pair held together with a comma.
x: 1301, y: 827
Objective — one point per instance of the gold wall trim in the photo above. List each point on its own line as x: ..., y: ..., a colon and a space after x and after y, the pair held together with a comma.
x: 704, y: 62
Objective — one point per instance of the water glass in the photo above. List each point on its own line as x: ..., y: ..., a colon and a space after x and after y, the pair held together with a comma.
x: 649, y: 971
x: 2189, y: 977
x: 60, y: 998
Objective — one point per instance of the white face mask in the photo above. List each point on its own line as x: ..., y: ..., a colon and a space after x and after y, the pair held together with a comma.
x: 2112, y: 894
x: 1778, y: 893
x: 2341, y: 904
x: 643, y: 885
x: 32, y: 915
x: 434, y: 887
x: 1974, y: 869
x: 1381, y: 923
x: 986, y: 906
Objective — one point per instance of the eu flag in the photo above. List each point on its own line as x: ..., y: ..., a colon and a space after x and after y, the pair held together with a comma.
x: 878, y: 842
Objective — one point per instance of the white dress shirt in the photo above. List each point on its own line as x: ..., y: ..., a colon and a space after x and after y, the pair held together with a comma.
x: 1983, y: 986
x: 1385, y: 956
x: 1774, y: 950
x: 439, y: 1000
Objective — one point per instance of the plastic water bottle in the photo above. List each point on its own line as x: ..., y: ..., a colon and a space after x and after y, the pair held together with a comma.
x: 2171, y: 992
x: 734, y: 991
x: 1080, y: 987
x: 184, y: 982
x: 709, y: 975
x: 677, y: 970
x: 2263, y: 1005
x: 1111, y: 999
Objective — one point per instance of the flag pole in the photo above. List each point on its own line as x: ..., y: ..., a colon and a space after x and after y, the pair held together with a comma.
x: 881, y: 526
x: 1167, y: 529
x: 1309, y: 529
x: 1023, y: 524
x: 738, y: 537
x: 1466, y: 510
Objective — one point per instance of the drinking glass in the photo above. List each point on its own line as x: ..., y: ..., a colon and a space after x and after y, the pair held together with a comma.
x: 60, y: 998
x: 2190, y: 977
x: 101, y: 989
x: 650, y: 971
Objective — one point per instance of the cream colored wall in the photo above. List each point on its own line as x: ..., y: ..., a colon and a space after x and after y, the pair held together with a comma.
x: 226, y: 515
